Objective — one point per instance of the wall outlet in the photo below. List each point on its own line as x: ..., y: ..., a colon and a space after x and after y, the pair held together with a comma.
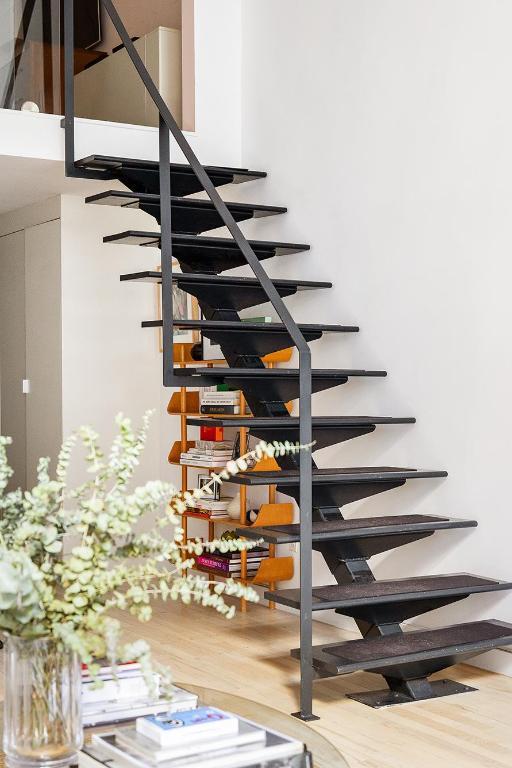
x: 25, y: 386
x: 293, y: 547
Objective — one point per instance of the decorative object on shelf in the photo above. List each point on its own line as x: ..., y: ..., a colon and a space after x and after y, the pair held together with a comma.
x: 215, y: 434
x: 233, y: 509
x: 206, y: 480
x: 29, y: 106
x: 252, y: 515
x: 196, y: 351
x: 236, y: 447
x: 55, y: 605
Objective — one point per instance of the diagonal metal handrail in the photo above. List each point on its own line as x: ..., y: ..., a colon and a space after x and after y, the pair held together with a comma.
x: 169, y: 125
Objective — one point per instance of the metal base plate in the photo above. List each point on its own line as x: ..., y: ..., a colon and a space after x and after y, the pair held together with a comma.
x: 305, y: 718
x: 387, y: 698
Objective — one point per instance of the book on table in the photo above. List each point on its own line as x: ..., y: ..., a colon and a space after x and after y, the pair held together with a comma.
x: 145, y: 748
x: 249, y: 745
x: 120, y: 703
x: 169, y: 730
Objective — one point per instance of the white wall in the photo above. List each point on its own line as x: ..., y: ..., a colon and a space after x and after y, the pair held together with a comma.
x: 30, y: 345
x: 109, y: 364
x: 386, y: 127
x: 43, y: 343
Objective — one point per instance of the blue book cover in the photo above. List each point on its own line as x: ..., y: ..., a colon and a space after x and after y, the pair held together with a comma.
x: 173, y: 728
x: 171, y: 721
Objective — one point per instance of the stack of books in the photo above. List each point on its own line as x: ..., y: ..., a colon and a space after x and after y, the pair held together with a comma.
x: 213, y: 508
x: 124, y: 695
x: 204, y: 737
x: 230, y: 563
x: 219, y: 401
x: 208, y: 454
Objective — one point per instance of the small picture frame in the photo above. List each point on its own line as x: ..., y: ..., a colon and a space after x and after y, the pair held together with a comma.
x: 203, y: 480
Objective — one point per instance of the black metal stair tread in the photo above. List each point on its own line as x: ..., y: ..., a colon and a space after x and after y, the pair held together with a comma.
x: 243, y: 327
x: 218, y: 174
x: 212, y: 245
x: 357, y: 528
x: 182, y: 279
x: 293, y: 421
x: 125, y: 199
x: 336, y: 476
x: 397, y: 590
x: 271, y: 373
x: 416, y: 646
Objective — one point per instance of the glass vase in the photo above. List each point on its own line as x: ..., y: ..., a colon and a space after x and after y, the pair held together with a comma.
x: 42, y: 709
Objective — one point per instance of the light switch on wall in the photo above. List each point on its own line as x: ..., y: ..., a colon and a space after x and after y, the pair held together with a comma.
x: 26, y: 386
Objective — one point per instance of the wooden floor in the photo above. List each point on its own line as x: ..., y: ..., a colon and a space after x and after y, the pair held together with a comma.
x: 249, y: 656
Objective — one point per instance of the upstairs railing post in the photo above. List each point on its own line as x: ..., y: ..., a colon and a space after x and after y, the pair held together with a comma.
x: 306, y: 538
x: 69, y: 86
x: 166, y: 253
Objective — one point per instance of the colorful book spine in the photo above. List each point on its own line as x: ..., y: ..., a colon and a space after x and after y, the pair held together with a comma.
x: 228, y: 410
x: 225, y: 567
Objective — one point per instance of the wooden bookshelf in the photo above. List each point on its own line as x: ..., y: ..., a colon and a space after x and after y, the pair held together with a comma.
x: 185, y: 403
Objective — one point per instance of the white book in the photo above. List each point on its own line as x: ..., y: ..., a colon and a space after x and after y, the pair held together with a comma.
x: 114, y: 690
x: 146, y: 748
x: 188, y: 728
x: 97, y: 713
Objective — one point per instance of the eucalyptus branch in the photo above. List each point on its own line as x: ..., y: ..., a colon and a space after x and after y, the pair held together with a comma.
x: 46, y: 591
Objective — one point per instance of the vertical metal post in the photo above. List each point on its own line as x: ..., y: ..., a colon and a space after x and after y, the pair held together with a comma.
x: 306, y: 540
x: 69, y: 86
x: 166, y: 252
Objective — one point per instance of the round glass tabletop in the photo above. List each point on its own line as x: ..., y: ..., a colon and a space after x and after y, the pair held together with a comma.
x: 325, y: 755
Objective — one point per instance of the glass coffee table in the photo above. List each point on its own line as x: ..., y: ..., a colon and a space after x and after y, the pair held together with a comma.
x: 324, y: 754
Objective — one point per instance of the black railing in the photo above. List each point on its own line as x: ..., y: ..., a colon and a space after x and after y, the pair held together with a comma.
x: 169, y: 125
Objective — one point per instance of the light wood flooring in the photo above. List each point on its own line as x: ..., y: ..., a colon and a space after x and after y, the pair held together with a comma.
x: 249, y: 656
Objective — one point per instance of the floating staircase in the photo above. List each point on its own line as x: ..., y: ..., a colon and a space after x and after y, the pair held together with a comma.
x: 405, y: 659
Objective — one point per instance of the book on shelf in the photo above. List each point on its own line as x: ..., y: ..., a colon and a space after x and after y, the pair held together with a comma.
x: 262, y: 319
x: 248, y: 745
x: 202, y: 561
x: 206, y: 463
x: 213, y: 447
x: 231, y: 395
x: 220, y: 401
x: 210, y: 505
x: 220, y: 410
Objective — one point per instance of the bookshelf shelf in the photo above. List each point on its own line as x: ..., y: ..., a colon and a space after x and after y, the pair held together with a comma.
x: 186, y: 404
